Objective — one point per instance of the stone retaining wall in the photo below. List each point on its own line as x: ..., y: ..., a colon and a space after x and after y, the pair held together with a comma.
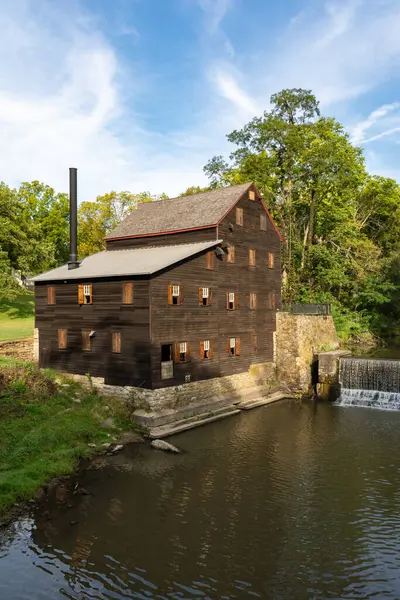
x: 20, y: 349
x: 299, y: 338
x: 262, y: 376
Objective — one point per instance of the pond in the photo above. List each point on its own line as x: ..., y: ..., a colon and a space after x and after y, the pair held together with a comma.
x: 292, y: 501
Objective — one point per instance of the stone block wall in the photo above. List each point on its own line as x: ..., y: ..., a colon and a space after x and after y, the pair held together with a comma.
x: 299, y: 338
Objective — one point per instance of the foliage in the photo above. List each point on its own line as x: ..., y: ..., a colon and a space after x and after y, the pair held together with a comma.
x: 341, y: 226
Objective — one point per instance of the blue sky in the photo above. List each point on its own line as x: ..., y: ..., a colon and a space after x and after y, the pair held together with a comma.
x: 139, y: 94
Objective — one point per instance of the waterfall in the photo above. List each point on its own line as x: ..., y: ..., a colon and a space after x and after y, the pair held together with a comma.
x: 370, y: 382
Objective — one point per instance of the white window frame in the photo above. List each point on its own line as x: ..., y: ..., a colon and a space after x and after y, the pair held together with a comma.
x: 232, y: 343
x: 182, y: 348
x: 231, y: 297
x: 206, y: 292
x: 175, y: 291
x: 206, y: 345
x: 86, y: 290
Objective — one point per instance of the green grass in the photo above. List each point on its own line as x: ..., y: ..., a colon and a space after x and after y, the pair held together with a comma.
x: 17, y: 317
x: 43, y: 431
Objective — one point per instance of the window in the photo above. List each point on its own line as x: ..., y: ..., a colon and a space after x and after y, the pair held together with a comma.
x: 167, y: 366
x: 62, y: 339
x: 85, y: 293
x: 254, y: 342
x: 232, y: 301
x: 175, y: 294
x: 182, y: 352
x: 233, y: 346
x: 204, y: 296
x: 271, y: 260
x: 239, y: 216
x: 116, y: 342
x: 231, y: 254
x: 271, y: 300
x: 51, y: 295
x: 263, y: 221
x: 206, y: 349
x: 210, y: 260
x: 86, y: 341
x: 253, y: 300
x: 127, y: 292
x: 252, y: 195
x: 252, y: 258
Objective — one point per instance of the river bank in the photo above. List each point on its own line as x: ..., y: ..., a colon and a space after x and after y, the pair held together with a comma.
x: 48, y: 422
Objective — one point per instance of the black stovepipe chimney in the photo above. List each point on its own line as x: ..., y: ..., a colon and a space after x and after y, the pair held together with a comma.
x: 73, y: 262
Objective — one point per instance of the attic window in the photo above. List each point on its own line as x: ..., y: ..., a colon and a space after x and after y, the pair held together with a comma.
x: 204, y: 296
x: 263, y: 221
x: 231, y: 301
x: 85, y: 293
x: 252, y: 195
x: 175, y: 294
x: 206, y: 349
x: 233, y: 346
x: 239, y: 216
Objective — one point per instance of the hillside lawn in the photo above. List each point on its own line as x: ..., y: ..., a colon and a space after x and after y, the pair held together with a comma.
x: 48, y: 422
x: 17, y: 317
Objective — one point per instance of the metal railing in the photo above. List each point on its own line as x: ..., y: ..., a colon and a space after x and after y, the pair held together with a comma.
x: 307, y: 309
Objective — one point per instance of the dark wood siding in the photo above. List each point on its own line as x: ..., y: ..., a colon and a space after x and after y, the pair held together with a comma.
x: 184, y: 237
x: 192, y: 323
x: 106, y: 315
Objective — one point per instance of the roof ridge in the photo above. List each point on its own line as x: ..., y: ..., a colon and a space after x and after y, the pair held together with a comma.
x: 210, y: 191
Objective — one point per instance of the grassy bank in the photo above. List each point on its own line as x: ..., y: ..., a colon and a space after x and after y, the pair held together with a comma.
x: 17, y: 317
x: 46, y: 426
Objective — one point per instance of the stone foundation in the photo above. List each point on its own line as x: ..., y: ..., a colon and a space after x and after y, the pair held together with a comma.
x: 299, y: 338
x: 21, y: 349
x: 261, y: 377
x: 328, y: 387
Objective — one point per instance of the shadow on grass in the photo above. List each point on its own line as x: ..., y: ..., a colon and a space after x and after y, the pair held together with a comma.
x: 22, y: 307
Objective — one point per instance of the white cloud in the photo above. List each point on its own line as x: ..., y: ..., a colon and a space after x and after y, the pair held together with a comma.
x: 229, y: 88
x: 215, y: 11
x: 359, y: 130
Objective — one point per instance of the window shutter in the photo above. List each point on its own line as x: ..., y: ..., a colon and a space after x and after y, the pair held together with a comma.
x: 187, y: 351
x: 177, y: 353
x: 170, y: 293
x: 127, y: 292
x: 210, y: 260
x: 85, y: 340
x: 228, y: 346
x: 211, y: 353
x: 209, y: 295
x: 237, y: 348
x: 80, y: 294
x: 180, y: 294
x: 51, y: 295
x: 62, y: 339
x: 116, y: 342
x: 227, y: 300
x: 200, y: 296
x: 91, y: 294
x: 236, y: 300
x: 202, y: 350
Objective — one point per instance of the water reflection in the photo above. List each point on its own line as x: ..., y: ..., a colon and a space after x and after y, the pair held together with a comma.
x: 291, y: 501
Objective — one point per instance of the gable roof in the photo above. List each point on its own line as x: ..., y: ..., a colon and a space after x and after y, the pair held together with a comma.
x: 133, y: 261
x: 197, y: 211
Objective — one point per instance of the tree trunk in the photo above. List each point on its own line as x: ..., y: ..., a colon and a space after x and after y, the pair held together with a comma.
x: 311, y: 220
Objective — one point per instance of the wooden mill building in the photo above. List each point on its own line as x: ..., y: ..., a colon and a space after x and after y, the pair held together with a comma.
x: 187, y: 289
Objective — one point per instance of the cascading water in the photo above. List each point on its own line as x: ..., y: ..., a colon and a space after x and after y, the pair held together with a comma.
x: 370, y: 382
